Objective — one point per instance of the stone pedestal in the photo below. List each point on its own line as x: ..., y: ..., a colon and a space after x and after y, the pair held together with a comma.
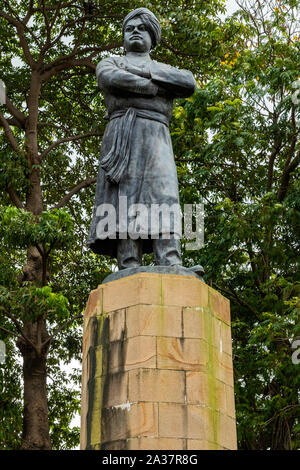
x: 157, y: 366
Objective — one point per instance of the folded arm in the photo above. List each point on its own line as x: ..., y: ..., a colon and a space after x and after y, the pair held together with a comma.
x: 180, y: 82
x: 112, y: 77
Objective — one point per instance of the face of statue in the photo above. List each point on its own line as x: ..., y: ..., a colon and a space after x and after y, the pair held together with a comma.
x: 136, y: 37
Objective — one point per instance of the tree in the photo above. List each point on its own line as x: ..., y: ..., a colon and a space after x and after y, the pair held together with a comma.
x: 52, y: 123
x: 237, y: 147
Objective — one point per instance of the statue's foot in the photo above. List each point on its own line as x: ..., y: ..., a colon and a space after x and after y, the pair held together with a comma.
x: 195, y: 271
x: 198, y: 269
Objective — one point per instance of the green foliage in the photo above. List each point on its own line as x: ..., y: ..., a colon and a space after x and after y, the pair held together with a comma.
x: 11, y: 405
x: 21, y: 229
x: 63, y: 397
x: 30, y: 303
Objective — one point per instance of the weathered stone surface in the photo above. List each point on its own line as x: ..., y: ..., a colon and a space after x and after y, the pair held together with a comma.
x: 177, y: 269
x: 134, y: 290
x: 220, y: 306
x: 156, y: 385
x: 173, y: 420
x: 117, y: 325
x: 227, y: 432
x: 195, y: 323
x: 221, y: 365
x: 129, y: 420
x: 182, y: 354
x: 94, y: 304
x: 174, y: 292
x: 133, y: 353
x: 197, y: 444
x: 157, y: 375
x: 200, y: 423
x: 154, y: 320
x: 149, y: 443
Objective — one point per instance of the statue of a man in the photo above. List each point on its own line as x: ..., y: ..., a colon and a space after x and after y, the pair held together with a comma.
x: 137, y: 165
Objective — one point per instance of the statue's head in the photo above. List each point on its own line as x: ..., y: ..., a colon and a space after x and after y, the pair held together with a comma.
x: 141, y: 31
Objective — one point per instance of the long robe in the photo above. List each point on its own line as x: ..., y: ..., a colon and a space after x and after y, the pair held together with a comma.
x: 149, y: 176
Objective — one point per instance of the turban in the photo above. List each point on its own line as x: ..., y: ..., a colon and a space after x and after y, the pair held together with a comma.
x: 150, y: 21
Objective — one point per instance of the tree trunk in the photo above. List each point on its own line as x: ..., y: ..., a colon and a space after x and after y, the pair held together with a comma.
x: 281, y: 436
x: 35, y: 415
x: 35, y: 418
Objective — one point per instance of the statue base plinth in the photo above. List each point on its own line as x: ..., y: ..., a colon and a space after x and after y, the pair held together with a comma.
x: 157, y: 366
x: 196, y: 271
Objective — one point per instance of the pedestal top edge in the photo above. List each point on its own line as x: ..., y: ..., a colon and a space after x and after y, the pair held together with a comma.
x: 152, y: 271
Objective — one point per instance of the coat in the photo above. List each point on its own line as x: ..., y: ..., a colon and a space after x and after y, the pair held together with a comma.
x: 136, y: 158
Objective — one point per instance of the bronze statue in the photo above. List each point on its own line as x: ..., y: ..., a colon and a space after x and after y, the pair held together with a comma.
x: 136, y: 161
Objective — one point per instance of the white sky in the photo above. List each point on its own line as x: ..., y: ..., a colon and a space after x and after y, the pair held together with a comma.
x: 231, y: 7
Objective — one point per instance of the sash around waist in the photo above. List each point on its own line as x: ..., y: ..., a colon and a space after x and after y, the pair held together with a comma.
x: 115, y: 162
x: 142, y: 113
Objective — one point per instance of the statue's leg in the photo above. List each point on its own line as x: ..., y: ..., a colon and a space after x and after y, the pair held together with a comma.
x: 129, y: 253
x: 167, y: 252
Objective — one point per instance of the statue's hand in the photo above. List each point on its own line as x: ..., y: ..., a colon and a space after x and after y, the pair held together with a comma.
x: 143, y: 71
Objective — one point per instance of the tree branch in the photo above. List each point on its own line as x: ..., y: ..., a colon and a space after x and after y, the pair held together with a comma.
x: 12, y: 122
x: 48, y: 34
x: 286, y: 177
x: 13, y: 196
x: 68, y: 61
x: 18, y: 115
x: 176, y: 51
x: 241, y: 301
x: 290, y: 165
x: 58, y: 330
x: 272, y: 157
x: 274, y: 153
x: 20, y: 30
x: 29, y: 13
x: 67, y: 139
x: 84, y: 184
x: 41, y: 251
x: 77, y: 21
x: 9, y: 134
x: 11, y: 332
x: 68, y: 65
x: 19, y: 328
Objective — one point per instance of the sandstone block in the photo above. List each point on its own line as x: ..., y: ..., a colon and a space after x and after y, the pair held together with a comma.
x: 132, y: 353
x: 132, y: 290
x: 173, y: 420
x: 188, y: 292
x: 182, y: 354
x: 94, y: 304
x: 129, y: 420
x: 115, y: 389
x: 195, y: 323
x: 219, y: 305
x: 153, y: 320
x: 221, y: 336
x: 117, y: 330
x: 226, y: 432
x: 196, y: 444
x: 221, y: 366
x: 154, y: 443
x: 156, y: 385
x: 200, y: 423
